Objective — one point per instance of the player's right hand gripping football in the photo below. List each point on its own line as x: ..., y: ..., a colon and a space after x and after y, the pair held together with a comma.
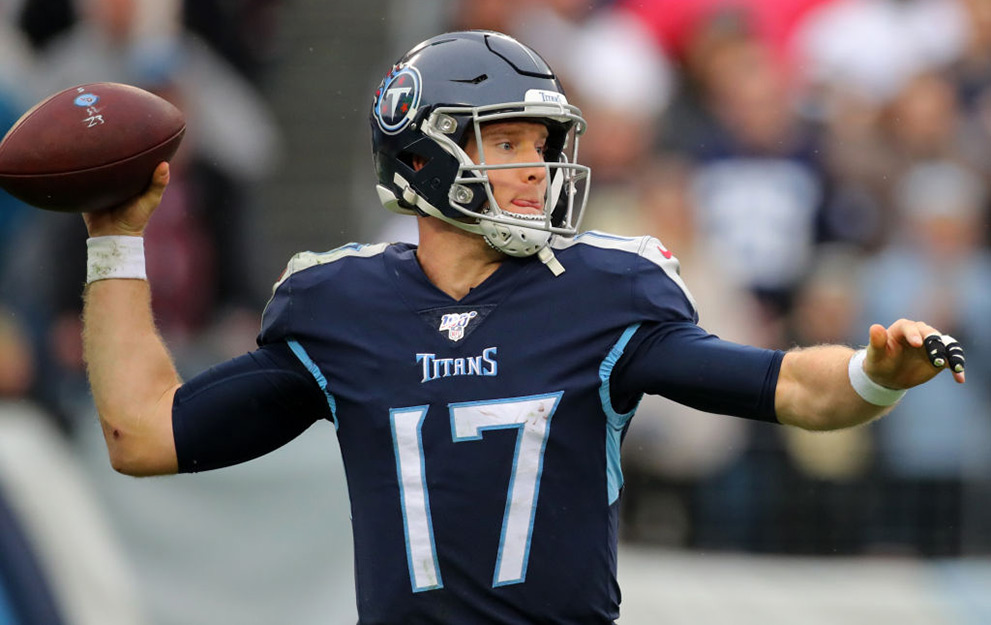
x: 130, y: 218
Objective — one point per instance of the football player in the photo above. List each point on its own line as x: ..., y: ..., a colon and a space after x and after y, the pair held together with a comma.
x: 480, y: 382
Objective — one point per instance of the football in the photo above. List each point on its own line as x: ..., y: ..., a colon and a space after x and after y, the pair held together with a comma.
x: 89, y: 147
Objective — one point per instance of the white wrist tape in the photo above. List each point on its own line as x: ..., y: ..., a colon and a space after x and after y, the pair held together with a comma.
x: 868, y: 389
x: 115, y: 257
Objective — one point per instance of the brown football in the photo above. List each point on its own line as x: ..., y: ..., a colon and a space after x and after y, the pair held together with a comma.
x: 89, y: 147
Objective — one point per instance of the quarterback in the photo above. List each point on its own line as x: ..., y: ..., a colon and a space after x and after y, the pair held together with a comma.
x: 480, y: 382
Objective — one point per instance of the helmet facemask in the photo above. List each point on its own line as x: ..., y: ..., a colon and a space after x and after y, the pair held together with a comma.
x: 471, y: 196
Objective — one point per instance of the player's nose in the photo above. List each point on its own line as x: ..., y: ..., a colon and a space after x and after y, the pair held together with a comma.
x: 536, y: 173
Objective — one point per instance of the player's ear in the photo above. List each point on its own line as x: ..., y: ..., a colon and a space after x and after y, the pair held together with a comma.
x: 418, y: 162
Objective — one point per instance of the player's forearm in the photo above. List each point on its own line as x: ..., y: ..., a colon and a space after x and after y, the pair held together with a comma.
x: 131, y: 376
x: 814, y: 390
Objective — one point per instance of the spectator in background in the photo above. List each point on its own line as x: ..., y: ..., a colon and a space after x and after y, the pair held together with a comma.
x: 623, y: 82
x: 869, y: 146
x: 60, y: 564
x: 859, y: 167
x: 621, y: 79
x: 41, y: 20
x: 497, y: 15
x: 936, y: 267
x: 971, y: 75
x: 759, y: 185
x: 242, y: 32
x: 774, y: 22
x: 973, y: 67
x: 874, y: 47
x: 556, y: 24
x: 861, y: 61
x: 972, y: 70
x: 16, y: 69
x: 925, y: 121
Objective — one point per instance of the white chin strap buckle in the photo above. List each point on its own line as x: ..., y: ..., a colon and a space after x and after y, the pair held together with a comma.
x: 546, y: 256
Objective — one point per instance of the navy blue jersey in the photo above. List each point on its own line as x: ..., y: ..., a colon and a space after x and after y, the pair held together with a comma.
x: 481, y: 436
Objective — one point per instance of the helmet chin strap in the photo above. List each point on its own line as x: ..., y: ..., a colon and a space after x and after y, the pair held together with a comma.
x: 546, y: 256
x: 521, y: 241
x: 514, y: 240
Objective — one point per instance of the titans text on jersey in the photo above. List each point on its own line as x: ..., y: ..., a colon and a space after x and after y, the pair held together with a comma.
x: 435, y: 367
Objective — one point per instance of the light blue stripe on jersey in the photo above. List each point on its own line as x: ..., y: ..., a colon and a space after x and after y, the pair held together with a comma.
x: 615, y: 423
x: 317, y: 375
x: 594, y: 234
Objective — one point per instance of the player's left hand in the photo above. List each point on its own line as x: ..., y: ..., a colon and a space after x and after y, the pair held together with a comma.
x: 909, y: 353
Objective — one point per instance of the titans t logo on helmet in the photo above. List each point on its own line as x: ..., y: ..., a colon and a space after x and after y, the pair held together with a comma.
x: 397, y: 98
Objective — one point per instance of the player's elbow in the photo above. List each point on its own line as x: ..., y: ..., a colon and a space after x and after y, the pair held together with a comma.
x: 129, y: 464
x: 138, y: 464
x: 124, y: 465
x: 139, y: 454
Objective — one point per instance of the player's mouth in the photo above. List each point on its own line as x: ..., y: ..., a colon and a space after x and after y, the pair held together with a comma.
x: 524, y: 206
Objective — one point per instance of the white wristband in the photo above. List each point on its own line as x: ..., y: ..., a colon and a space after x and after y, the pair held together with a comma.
x: 115, y: 257
x: 868, y: 389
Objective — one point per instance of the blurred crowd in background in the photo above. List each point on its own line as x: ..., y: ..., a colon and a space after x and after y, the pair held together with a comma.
x: 816, y: 166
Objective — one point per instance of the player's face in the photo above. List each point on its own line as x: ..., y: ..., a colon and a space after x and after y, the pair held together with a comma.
x: 521, y: 189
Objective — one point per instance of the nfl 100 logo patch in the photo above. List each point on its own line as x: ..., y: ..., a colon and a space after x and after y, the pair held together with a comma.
x: 455, y: 323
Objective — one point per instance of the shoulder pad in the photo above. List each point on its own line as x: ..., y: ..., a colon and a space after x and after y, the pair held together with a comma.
x: 647, y: 247
x: 601, y: 240
x: 305, y: 260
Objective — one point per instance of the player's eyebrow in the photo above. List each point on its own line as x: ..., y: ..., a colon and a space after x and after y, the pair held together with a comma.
x: 511, y: 130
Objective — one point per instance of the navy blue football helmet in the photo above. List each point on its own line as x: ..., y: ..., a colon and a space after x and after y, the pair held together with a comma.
x: 448, y: 86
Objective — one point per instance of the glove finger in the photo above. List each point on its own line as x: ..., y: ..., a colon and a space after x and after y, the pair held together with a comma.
x: 954, y: 352
x: 936, y: 350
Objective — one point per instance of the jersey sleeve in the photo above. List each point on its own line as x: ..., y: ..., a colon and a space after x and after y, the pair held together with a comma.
x: 686, y: 364
x: 244, y: 408
x: 670, y: 355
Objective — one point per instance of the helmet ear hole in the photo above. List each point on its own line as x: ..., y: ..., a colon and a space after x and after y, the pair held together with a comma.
x: 415, y: 161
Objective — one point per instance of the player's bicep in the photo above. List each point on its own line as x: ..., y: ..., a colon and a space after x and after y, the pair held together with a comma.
x: 686, y: 364
x: 244, y: 408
